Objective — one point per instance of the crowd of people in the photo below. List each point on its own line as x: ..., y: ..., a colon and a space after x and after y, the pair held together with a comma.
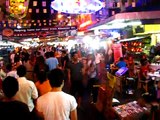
x: 48, y: 82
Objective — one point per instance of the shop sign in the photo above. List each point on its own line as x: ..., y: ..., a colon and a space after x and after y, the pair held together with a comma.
x: 36, y: 31
x: 46, y: 29
x: 117, y: 49
x: 7, y: 32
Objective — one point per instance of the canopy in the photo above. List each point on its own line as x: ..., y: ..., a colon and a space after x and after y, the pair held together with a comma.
x: 131, y: 39
x: 146, y: 15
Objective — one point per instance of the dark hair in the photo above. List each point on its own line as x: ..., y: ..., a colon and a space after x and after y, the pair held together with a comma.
x: 63, y: 51
x: 40, y: 60
x: 51, y: 54
x: 145, y: 62
x: 42, y: 76
x: 121, y: 59
x: 47, y: 54
x: 56, y: 77
x: 10, y: 86
x: 72, y: 55
x: 21, y: 70
x: 9, y: 67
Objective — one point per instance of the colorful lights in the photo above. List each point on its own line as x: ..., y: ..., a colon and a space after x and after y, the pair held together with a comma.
x: 18, y: 8
x: 77, y: 6
x: 60, y: 16
x: 133, y: 46
x: 85, y: 24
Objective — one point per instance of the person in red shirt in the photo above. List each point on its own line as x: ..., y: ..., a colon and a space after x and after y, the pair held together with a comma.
x: 130, y: 64
x: 143, y: 70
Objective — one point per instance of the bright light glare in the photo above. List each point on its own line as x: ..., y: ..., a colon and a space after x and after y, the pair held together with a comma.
x: 70, y: 44
x: 34, y: 44
x: 117, y: 25
x: 18, y: 26
x: 95, y: 46
x: 25, y: 43
x: 60, y: 16
x: 134, y: 23
x: 77, y: 6
x: 87, y: 40
x: 95, y: 43
x: 96, y: 32
x: 116, y: 21
x: 20, y: 6
x: 103, y: 44
x: 115, y: 34
x: 85, y: 24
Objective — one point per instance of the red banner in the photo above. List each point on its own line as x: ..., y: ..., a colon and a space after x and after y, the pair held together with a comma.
x: 117, y: 49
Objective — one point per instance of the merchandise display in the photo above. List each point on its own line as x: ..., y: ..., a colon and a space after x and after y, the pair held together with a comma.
x: 129, y: 109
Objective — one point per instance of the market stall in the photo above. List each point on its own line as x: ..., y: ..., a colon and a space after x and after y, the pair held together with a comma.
x: 130, y: 111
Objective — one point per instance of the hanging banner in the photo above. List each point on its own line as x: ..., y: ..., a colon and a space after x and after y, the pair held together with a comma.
x: 45, y: 29
x: 23, y: 32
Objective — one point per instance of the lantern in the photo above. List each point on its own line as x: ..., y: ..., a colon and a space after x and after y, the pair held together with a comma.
x: 17, y: 8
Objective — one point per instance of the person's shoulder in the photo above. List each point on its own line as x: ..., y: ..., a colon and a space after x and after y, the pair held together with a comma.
x: 49, y: 59
x: 68, y: 95
x: 30, y: 82
x: 44, y: 96
x: 37, y: 83
x: 19, y: 103
x: 16, y: 104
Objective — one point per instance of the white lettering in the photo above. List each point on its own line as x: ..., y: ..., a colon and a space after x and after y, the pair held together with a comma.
x: 64, y: 28
x: 38, y: 29
x: 19, y: 30
x: 29, y: 30
x: 44, y: 29
x: 53, y: 28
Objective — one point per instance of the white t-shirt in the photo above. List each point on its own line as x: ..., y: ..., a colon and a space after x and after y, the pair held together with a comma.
x: 27, y: 92
x: 56, y: 105
x: 13, y: 73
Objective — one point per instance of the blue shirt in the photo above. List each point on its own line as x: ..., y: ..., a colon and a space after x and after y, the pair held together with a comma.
x: 121, y: 64
x: 52, y: 63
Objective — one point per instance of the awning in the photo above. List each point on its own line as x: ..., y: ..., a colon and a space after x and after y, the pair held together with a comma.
x: 132, y: 39
x: 129, y: 16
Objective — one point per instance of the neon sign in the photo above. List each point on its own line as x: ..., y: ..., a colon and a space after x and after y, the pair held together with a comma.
x: 77, y: 6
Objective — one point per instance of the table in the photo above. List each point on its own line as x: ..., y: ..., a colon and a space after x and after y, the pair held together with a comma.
x: 130, y: 111
x: 154, y: 76
x: 155, y: 66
